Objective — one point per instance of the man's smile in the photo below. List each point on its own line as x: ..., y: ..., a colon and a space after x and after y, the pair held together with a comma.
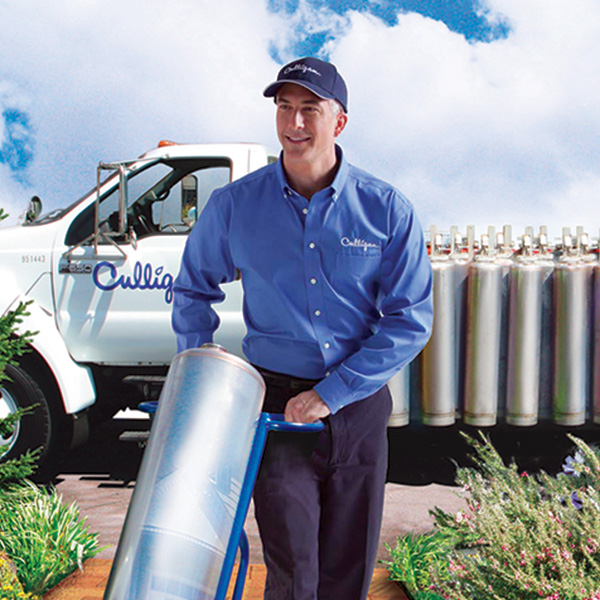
x: 297, y: 138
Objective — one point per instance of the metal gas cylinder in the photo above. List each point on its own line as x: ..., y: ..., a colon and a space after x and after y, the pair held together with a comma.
x: 545, y: 259
x: 438, y: 360
x: 572, y: 307
x: 462, y: 257
x: 483, y: 340
x: 525, y: 324
x: 596, y: 372
x: 399, y: 386
x: 182, y: 511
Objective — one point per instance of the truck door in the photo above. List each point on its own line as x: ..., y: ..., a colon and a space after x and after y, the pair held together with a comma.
x: 114, y: 292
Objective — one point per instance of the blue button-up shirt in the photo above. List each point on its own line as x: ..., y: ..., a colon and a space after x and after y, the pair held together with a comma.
x: 336, y: 289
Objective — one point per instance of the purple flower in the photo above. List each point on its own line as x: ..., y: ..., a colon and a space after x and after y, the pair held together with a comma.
x: 576, y: 500
x: 571, y: 463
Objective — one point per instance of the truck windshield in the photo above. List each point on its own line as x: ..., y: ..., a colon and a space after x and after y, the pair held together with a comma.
x: 164, y: 197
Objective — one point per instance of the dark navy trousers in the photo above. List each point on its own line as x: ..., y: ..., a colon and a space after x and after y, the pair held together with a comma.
x: 319, y: 499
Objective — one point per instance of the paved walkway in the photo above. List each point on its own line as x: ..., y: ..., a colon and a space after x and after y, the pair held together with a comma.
x: 90, y: 584
x: 104, y: 501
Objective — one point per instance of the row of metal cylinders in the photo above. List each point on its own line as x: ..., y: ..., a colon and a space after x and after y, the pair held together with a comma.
x: 516, y: 335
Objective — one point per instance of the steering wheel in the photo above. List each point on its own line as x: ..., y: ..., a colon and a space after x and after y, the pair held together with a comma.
x: 141, y: 224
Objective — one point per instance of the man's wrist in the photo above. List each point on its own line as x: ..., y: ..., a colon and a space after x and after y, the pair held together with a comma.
x: 333, y: 391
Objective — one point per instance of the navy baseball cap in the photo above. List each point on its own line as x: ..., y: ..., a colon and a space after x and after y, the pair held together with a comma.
x: 318, y: 76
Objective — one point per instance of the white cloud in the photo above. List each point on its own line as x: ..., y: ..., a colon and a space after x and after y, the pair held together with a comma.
x: 473, y: 133
x: 14, y: 196
x: 109, y: 80
x: 482, y: 133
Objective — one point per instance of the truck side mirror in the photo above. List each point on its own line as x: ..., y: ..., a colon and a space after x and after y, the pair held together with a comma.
x: 189, y: 199
x: 34, y: 209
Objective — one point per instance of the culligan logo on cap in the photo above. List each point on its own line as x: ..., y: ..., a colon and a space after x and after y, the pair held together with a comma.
x: 301, y: 67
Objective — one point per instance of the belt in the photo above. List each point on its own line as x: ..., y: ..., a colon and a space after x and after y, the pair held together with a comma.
x: 273, y: 378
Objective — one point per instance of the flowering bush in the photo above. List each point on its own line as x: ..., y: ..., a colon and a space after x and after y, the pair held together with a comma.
x: 522, y: 536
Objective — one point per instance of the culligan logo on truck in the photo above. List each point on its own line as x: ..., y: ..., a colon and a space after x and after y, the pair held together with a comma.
x: 144, y: 277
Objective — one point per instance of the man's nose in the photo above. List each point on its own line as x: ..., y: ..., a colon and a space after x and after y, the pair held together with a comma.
x: 298, y: 119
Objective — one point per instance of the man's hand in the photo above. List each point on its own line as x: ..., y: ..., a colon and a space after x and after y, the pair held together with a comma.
x: 306, y: 407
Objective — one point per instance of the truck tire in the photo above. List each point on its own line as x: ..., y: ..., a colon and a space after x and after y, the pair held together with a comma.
x: 34, y: 430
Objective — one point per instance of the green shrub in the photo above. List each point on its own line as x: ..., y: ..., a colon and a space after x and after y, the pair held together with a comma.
x: 414, y: 556
x: 23, y: 466
x: 12, y: 345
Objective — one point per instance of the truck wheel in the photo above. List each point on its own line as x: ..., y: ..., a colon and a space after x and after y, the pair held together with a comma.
x: 35, y: 428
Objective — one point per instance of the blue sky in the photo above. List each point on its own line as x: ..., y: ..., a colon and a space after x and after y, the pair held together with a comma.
x: 482, y: 113
x: 17, y: 148
x: 465, y: 17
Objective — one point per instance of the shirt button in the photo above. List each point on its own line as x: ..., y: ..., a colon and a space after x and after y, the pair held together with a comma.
x: 326, y: 345
x: 312, y: 245
x: 305, y: 211
x: 313, y: 281
x: 318, y: 313
x: 327, y: 374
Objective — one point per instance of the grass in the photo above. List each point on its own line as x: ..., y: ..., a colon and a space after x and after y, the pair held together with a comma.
x: 45, y: 539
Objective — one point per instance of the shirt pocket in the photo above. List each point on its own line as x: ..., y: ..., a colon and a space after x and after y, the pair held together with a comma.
x: 358, y: 261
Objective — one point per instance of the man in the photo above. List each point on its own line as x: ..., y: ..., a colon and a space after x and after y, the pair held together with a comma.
x: 337, y: 298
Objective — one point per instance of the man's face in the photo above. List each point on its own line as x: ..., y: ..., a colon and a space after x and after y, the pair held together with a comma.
x: 306, y: 125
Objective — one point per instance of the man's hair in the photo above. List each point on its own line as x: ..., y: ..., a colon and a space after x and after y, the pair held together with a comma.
x: 336, y: 107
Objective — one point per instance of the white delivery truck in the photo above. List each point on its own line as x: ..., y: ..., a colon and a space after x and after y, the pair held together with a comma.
x: 100, y: 274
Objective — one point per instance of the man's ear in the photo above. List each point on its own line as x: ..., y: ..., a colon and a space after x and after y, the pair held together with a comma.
x: 340, y: 124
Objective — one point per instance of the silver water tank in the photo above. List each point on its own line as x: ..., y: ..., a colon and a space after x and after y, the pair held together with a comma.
x: 399, y: 386
x: 483, y: 340
x: 181, y: 515
x: 596, y: 363
x: 572, y: 293
x: 524, y: 337
x: 461, y: 279
x: 439, y: 359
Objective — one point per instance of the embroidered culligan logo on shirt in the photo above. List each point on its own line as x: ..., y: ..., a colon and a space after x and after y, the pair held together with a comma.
x: 357, y: 243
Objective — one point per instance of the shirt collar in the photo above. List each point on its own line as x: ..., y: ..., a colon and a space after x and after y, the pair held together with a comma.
x: 342, y: 173
x: 336, y: 185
